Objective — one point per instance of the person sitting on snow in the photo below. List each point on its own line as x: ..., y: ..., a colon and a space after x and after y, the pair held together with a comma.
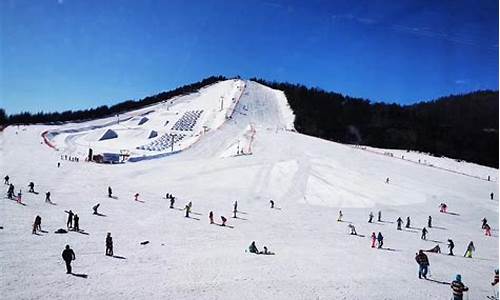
x: 435, y: 249
x: 252, y: 248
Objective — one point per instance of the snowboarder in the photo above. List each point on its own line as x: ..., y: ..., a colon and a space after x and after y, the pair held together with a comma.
x: 458, y: 288
x: 32, y: 187
x: 69, y: 223
x: 380, y: 240
x: 187, y: 208
x: 374, y: 238
x: 252, y: 248
x: 136, y: 197
x: 484, y: 222
x: 340, y: 216
x: 379, y: 216
x: 370, y: 217
x: 6, y: 180
x: 423, y: 263
x: 435, y: 249
x: 451, y: 245
x: 223, y: 221
x: 47, y: 197
x: 272, y: 203
x: 470, y: 249
x: 211, y: 217
x: 487, y: 230
x: 429, y: 222
x: 172, y: 201
x: 110, y: 192
x: 109, y: 244
x: 399, y: 221
x: 68, y: 255
x: 407, y: 222
x: 424, y: 234
x: 95, y: 207
x: 353, y: 229
x: 76, y: 220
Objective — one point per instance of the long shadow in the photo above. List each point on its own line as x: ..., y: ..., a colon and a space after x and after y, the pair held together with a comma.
x: 240, y: 218
x: 144, y: 242
x: 195, y: 213
x: 389, y: 249
x: 358, y: 235
x: 437, y: 227
x: 278, y: 208
x: 100, y: 215
x: 228, y: 226
x: 36, y: 233
x: 119, y: 257
x: 177, y: 208
x: 376, y: 223
x: 438, y: 242
x: 386, y: 222
x: 82, y: 232
x: 36, y: 193
x: 113, y: 197
x: 412, y: 231
x: 140, y: 201
x: 44, y: 231
x: 437, y: 281
x: 242, y: 212
x: 452, y: 213
x: 80, y: 275
x: 23, y: 204
x: 51, y: 203
x: 192, y: 218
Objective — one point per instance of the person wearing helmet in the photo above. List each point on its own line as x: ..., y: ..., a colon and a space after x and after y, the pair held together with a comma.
x: 458, y: 288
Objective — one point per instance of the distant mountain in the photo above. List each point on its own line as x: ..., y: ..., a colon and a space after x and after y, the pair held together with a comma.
x: 460, y: 126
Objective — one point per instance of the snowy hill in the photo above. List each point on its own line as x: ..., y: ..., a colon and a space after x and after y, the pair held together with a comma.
x: 246, y: 151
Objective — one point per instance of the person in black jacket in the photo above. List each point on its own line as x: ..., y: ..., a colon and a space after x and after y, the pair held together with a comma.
x: 68, y: 255
x: 109, y: 244
x: 423, y: 263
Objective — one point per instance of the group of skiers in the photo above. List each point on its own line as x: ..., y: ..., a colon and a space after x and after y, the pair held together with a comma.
x: 73, y: 222
x: 70, y: 158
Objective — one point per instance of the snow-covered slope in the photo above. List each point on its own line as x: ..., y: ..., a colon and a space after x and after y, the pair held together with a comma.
x: 187, y: 258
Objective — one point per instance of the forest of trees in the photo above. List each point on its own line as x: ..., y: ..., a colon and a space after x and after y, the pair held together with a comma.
x: 460, y: 126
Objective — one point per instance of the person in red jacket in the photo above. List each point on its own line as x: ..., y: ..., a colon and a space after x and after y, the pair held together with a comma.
x: 374, y: 239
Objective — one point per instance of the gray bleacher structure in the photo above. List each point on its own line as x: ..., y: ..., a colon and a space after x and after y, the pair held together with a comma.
x: 187, y: 121
x: 162, y: 143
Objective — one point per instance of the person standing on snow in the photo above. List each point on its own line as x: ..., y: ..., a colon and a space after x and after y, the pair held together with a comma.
x: 31, y: 185
x: 187, y: 208
x: 491, y: 196
x: 68, y: 255
x: 211, y: 217
x: 429, y: 222
x: 235, y: 208
x: 339, y: 219
x: 407, y: 222
x: 484, y: 222
x: 109, y: 244
x: 487, y: 230
x: 47, y: 197
x: 76, y: 220
x: 470, y: 249
x: 458, y: 288
x: 423, y: 263
x: 136, y: 197
x: 172, y: 201
x: 374, y: 238
x: 10, y: 191
x: 379, y: 218
x: 387, y: 180
x: 370, y: 217
x: 380, y: 240
x: 399, y: 221
x: 272, y: 203
x: 110, y: 192
x: 37, y: 225
x: 19, y: 196
x: 223, y: 221
x: 451, y: 245
x: 424, y: 234
x: 6, y: 180
x: 353, y: 229
x: 69, y: 223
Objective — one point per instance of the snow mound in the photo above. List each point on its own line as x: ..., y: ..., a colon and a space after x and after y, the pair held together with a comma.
x: 109, y: 134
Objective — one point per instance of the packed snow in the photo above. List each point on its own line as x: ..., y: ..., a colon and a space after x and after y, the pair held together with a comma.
x: 252, y: 157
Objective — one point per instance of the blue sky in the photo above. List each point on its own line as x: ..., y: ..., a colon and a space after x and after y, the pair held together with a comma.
x: 71, y: 54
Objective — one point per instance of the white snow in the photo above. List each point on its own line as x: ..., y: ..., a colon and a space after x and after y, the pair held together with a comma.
x: 309, y: 179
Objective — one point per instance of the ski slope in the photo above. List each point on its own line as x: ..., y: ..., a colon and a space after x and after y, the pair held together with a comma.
x: 309, y: 179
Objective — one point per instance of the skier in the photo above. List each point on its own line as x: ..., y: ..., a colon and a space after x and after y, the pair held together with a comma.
x: 95, y: 207
x: 223, y: 221
x: 374, y: 238
x: 424, y: 234
x: 387, y: 180
x: 32, y: 187
x: 484, y: 222
x: 435, y: 249
x: 252, y: 248
x: 211, y: 217
x: 68, y: 255
x: 272, y: 203
x: 69, y: 223
x: 110, y: 192
x: 379, y: 216
x: 47, y: 197
x: 19, y: 195
x: 470, y: 249
x: 451, y: 245
x: 353, y: 229
x: 491, y: 196
x: 6, y: 180
x: 380, y: 240
x: 407, y: 222
x: 429, y: 222
x: 458, y: 288
x: 235, y: 208
x: 109, y: 244
x: 76, y: 220
x: 487, y: 230
x: 370, y: 217
x: 190, y: 204
x: 423, y: 263
x: 187, y: 208
x: 136, y: 197
x: 172, y: 201
x: 340, y: 216
x: 399, y: 221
